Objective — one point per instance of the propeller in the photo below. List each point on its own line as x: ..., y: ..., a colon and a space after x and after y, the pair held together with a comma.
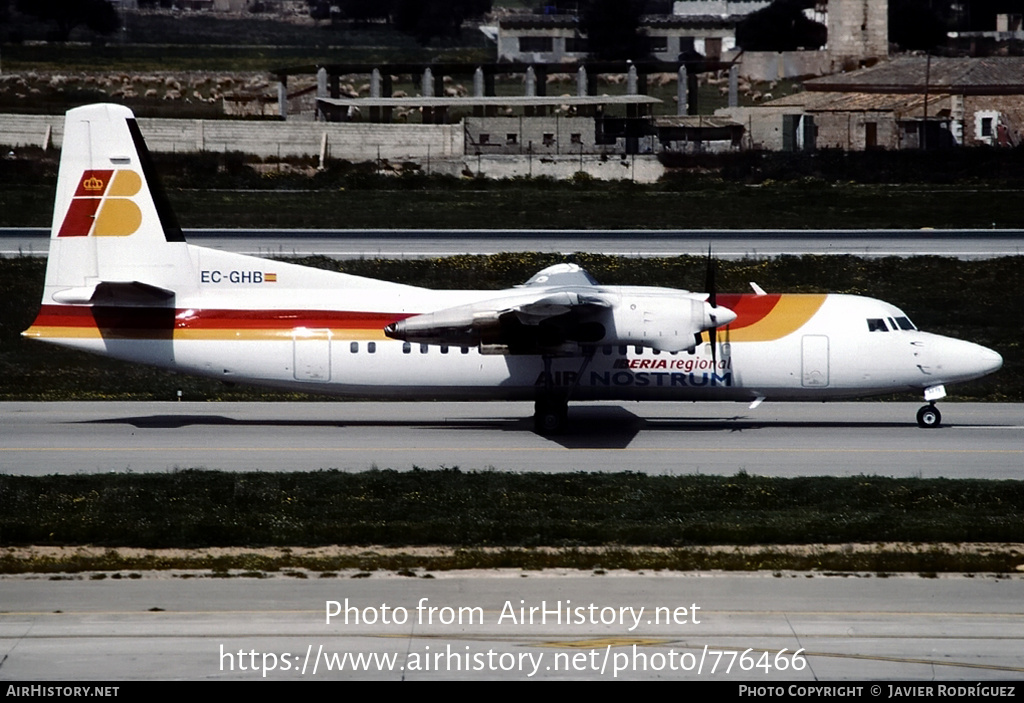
x: 712, y: 291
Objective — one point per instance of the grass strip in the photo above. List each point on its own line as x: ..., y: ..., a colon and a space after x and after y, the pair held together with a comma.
x: 487, y: 509
x: 863, y: 559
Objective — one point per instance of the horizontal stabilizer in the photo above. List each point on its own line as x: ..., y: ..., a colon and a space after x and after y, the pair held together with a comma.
x: 115, y: 294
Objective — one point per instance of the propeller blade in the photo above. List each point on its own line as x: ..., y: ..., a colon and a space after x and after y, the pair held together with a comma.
x: 712, y: 291
x: 709, y: 280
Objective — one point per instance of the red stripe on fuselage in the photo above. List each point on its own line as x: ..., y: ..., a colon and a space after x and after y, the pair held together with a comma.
x: 156, y: 318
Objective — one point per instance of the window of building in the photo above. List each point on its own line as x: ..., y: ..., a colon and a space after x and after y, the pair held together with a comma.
x: 485, y: 138
x: 576, y: 45
x: 576, y: 138
x: 536, y: 44
x: 657, y: 44
x: 511, y: 138
x: 985, y: 125
x: 549, y: 139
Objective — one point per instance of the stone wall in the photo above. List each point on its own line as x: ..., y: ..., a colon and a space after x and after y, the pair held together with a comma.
x: 537, y: 135
x: 351, y: 141
x: 858, y: 29
x: 775, y: 65
x: 641, y: 169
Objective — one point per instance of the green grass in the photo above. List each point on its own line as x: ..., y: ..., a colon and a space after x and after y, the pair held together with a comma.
x: 453, y: 508
x: 864, y: 560
x: 968, y: 188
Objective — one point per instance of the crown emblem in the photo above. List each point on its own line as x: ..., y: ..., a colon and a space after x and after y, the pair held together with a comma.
x: 92, y: 183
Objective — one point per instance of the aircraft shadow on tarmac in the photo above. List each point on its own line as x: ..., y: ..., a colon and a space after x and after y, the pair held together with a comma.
x: 604, y: 427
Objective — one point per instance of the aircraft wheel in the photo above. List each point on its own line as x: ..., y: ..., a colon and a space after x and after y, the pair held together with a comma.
x: 550, y: 418
x: 929, y: 416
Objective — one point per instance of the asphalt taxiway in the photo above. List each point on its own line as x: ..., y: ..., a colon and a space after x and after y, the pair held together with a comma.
x: 977, y: 440
x: 727, y: 244
x: 799, y: 628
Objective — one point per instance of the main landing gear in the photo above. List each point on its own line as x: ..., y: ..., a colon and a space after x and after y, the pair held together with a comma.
x: 551, y: 409
x: 550, y: 416
x: 929, y: 416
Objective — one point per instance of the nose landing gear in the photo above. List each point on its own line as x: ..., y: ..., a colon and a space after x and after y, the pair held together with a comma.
x: 929, y: 416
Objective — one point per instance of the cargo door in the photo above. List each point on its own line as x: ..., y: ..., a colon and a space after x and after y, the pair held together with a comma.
x: 312, y: 354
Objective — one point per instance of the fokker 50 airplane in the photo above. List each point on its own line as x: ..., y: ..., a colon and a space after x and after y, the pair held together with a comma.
x: 121, y: 281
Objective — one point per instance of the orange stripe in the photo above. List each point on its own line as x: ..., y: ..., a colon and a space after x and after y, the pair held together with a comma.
x: 768, y: 320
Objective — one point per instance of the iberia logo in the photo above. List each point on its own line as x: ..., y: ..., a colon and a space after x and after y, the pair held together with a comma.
x: 102, y: 205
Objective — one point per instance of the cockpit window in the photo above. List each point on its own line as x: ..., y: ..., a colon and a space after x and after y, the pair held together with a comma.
x: 879, y: 324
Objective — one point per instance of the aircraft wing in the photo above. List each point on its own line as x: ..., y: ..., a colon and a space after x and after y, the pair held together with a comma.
x: 552, y: 313
x: 560, y: 310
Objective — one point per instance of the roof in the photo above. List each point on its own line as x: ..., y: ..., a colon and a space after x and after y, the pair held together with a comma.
x: 903, y: 104
x: 527, y: 21
x: 695, y: 122
x: 966, y: 76
x: 506, y: 101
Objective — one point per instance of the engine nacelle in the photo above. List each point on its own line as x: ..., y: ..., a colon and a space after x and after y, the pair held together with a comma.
x: 668, y: 322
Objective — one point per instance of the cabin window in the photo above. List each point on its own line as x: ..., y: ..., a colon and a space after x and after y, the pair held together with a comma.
x: 354, y: 347
x: 406, y: 347
x: 444, y: 348
x: 623, y: 349
x: 638, y: 349
x: 371, y: 347
x: 423, y: 348
x: 465, y: 350
x: 877, y: 325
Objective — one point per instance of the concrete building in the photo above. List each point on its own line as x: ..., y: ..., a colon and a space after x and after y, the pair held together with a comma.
x: 908, y: 103
x: 858, y: 31
x: 557, y: 38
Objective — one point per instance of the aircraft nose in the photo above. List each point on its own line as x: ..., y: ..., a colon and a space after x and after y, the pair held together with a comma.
x: 960, y: 360
x: 990, y: 360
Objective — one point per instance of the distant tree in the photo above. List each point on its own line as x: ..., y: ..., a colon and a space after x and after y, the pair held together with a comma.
x: 98, y: 15
x: 781, y: 26
x: 613, y: 28
x: 427, y: 19
x: 917, y: 24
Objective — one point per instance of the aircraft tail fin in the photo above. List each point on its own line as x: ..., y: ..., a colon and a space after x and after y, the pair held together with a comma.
x: 112, y: 223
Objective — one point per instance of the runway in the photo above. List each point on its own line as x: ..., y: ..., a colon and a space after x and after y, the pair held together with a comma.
x: 777, y: 439
x: 727, y: 244
x: 799, y: 628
